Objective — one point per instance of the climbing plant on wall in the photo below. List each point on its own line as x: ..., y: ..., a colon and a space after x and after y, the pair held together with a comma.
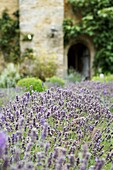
x: 9, y: 37
x: 97, y: 22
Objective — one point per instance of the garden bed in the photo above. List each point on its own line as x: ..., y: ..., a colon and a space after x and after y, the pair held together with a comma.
x: 9, y: 94
x: 61, y: 128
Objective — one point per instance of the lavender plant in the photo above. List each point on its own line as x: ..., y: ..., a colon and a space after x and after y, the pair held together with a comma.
x: 67, y: 128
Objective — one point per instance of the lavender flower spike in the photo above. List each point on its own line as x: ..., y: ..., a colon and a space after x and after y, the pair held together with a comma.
x: 2, y: 142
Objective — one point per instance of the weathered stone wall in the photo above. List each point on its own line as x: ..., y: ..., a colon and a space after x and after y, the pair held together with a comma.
x: 39, y: 17
x: 10, y: 5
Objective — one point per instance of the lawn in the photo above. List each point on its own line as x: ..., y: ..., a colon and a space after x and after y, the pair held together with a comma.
x: 68, y: 128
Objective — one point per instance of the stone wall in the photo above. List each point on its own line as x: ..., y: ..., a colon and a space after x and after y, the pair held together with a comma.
x: 40, y: 17
x: 43, y: 19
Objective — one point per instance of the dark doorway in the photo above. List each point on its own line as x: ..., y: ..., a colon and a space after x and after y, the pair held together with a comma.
x: 79, y: 59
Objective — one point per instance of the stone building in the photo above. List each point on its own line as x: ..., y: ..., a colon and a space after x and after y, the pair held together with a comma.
x: 41, y: 21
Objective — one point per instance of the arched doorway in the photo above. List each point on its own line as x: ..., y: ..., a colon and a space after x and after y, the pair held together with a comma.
x: 79, y: 59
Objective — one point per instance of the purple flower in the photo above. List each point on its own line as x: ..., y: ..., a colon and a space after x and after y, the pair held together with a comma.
x: 72, y: 160
x: 42, y: 121
x: 41, y: 109
x: 17, y: 98
x: 28, y: 95
x: 47, y: 147
x: 2, y: 142
x: 104, y: 92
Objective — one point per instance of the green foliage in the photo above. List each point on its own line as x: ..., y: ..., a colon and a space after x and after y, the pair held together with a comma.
x: 43, y: 66
x: 26, y: 68
x: 56, y: 81
x: 28, y: 53
x: 96, y: 22
x: 9, y: 37
x: 34, y: 83
x: 9, y: 76
x: 73, y: 76
x: 106, y: 78
x: 2, y: 63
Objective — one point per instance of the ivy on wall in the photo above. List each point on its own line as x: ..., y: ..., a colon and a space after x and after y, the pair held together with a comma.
x: 9, y: 37
x: 96, y: 22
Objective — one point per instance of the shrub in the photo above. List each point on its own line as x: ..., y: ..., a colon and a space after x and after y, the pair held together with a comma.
x: 56, y: 81
x: 73, y: 76
x: 106, y: 78
x: 42, y: 66
x: 2, y: 63
x: 37, y: 84
x: 45, y: 66
x: 9, y: 76
x: 26, y: 68
x: 10, y: 36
